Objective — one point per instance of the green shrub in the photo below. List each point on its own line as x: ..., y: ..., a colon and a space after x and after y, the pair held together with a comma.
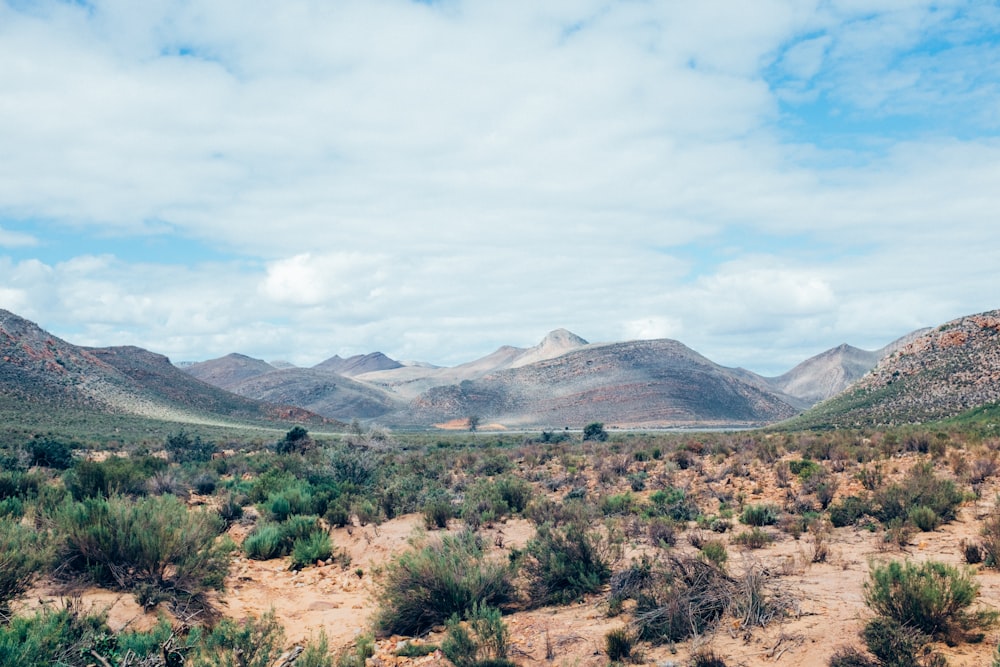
x: 23, y: 555
x: 673, y: 503
x: 618, y: 644
x: 487, y: 645
x: 759, y: 515
x: 114, y: 476
x: 154, y: 542
x: 316, y: 652
x: 754, y: 538
x: 247, y: 643
x: 182, y: 448
x: 51, y: 453
x: 267, y: 541
x: 620, y: 504
x: 437, y: 512
x: 51, y: 638
x: 990, y: 532
x: 307, y: 550
x: 851, y: 657
x: 564, y: 563
x: 848, y: 511
x: 714, y: 551
x: 931, y: 597
x: 804, y: 468
x: 423, y: 588
x: 11, y: 508
x: 920, y: 487
x: 893, y: 644
x: 923, y: 518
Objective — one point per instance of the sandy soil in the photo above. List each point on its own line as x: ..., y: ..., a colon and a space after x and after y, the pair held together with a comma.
x: 828, y: 612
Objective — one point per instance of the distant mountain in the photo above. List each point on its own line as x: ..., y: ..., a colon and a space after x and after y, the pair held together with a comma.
x: 637, y: 383
x: 39, y: 368
x: 229, y: 370
x: 411, y: 381
x: 320, y: 391
x: 827, y: 374
x: 358, y: 364
x: 936, y: 374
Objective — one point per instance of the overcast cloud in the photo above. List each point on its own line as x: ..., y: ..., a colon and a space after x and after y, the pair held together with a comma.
x: 291, y: 180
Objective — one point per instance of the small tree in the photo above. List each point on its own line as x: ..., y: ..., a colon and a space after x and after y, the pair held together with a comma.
x: 473, y: 422
x: 595, y: 431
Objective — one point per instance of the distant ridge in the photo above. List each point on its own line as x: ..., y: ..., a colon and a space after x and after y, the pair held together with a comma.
x: 358, y: 364
x: 39, y: 368
x: 939, y: 373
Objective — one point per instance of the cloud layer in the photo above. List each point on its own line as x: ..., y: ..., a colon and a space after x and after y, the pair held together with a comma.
x: 761, y: 181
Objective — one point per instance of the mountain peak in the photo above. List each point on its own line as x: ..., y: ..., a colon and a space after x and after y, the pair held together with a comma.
x: 562, y: 338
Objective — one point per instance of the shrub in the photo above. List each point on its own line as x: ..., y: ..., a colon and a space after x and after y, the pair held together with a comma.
x: 154, y: 542
x: 662, y: 532
x: 674, y: 504
x: 924, y: 518
x: 265, y: 542
x: 618, y: 505
x: 759, y: 515
x: 687, y: 597
x: 60, y: 637
x: 931, y: 597
x: 51, y: 453
x: 23, y: 554
x: 851, y: 657
x: 182, y: 448
x: 487, y: 645
x: 116, y: 475
x: 565, y: 563
x: 920, y: 487
x: 754, y: 538
x: 595, y: 431
x: 316, y: 652
x: 990, y: 532
x: 618, y: 644
x: 425, y: 587
x: 247, y: 643
x: 893, y: 644
x: 707, y: 658
x: 848, y: 511
x: 308, y: 550
x: 714, y: 551
x: 437, y: 512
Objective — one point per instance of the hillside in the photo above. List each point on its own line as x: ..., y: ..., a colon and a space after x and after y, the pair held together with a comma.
x: 227, y: 371
x: 939, y: 374
x: 41, y: 371
x: 358, y: 364
x: 323, y: 392
x: 637, y: 383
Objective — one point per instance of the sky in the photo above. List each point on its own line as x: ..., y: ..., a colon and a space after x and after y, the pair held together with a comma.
x: 760, y: 180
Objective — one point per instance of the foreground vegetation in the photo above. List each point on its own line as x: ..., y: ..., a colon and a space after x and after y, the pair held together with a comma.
x: 660, y: 530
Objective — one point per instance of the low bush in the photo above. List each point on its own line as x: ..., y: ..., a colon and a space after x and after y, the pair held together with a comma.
x: 893, y: 644
x: 307, y: 550
x: 851, y: 657
x: 759, y: 515
x: 113, y: 476
x: 425, y: 587
x: 848, y: 511
x: 686, y: 597
x: 23, y: 554
x: 153, y: 542
x: 618, y: 644
x: 755, y: 538
x: 566, y: 562
x: 488, y: 643
x: 931, y: 597
x: 920, y: 487
x: 247, y: 643
x: 924, y: 518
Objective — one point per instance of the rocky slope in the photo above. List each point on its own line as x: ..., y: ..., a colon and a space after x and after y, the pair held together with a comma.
x: 320, y: 391
x: 358, y: 364
x: 638, y: 383
x: 37, y: 367
x: 941, y: 373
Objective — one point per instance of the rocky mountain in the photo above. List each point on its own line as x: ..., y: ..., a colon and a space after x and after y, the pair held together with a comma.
x: 637, y: 383
x: 827, y: 374
x: 39, y: 368
x: 320, y: 391
x: 410, y: 381
x: 939, y: 373
x: 228, y: 371
x: 358, y: 364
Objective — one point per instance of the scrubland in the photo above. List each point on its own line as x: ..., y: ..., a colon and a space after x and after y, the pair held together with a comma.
x: 743, y: 548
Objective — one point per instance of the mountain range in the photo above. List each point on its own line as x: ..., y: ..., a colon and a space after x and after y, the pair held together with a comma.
x: 564, y: 381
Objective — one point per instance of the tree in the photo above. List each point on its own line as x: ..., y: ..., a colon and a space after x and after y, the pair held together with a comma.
x: 595, y: 431
x: 474, y: 421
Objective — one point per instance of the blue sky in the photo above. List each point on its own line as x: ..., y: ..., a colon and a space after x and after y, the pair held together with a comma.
x: 762, y: 181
